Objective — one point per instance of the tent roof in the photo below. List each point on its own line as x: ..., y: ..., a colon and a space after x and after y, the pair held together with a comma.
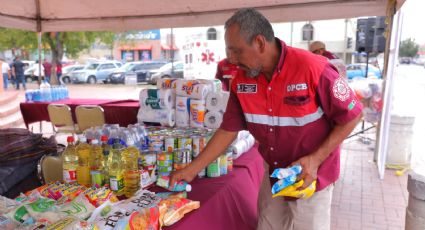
x: 121, y: 15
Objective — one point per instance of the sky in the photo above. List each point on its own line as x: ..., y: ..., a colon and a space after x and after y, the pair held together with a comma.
x: 413, y: 17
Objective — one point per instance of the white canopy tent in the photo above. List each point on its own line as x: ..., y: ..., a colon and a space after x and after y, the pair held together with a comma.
x: 122, y: 15
x: 113, y: 15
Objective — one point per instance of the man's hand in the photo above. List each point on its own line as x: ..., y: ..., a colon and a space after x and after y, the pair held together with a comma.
x: 310, y: 164
x: 185, y: 174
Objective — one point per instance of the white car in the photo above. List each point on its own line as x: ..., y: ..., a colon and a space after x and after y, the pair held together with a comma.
x: 95, y: 72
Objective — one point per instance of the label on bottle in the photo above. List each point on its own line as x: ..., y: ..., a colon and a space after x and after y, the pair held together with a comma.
x: 96, y: 178
x: 69, y: 175
x: 116, y: 183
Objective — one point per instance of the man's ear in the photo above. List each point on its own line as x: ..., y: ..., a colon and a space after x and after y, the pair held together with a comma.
x: 260, y: 43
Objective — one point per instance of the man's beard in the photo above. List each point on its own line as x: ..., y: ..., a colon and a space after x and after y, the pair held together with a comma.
x: 253, y: 73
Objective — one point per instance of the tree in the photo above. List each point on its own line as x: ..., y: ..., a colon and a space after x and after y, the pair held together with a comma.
x: 408, y: 48
x: 71, y: 43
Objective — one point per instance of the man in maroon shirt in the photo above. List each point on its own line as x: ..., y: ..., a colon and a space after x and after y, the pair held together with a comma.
x: 299, y: 110
x: 47, y: 69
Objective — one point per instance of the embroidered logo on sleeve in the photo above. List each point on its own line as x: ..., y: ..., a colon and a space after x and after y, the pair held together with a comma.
x: 341, y: 90
x: 247, y: 88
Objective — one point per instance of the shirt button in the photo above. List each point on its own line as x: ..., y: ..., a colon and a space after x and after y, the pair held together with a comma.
x: 275, y: 163
x: 270, y: 110
x: 270, y: 88
x: 271, y: 129
x: 271, y: 148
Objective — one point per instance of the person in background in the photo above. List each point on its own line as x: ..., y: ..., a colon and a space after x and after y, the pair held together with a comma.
x: 37, y: 71
x: 47, y: 70
x: 319, y: 48
x: 58, y: 70
x: 298, y: 109
x: 226, y: 71
x: 5, y: 71
x: 18, y: 72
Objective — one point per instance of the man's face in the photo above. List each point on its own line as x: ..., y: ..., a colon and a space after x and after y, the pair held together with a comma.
x: 239, y: 52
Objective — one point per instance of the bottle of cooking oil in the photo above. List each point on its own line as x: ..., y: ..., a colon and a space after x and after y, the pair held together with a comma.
x: 83, y: 170
x: 95, y: 162
x: 131, y: 173
x: 105, y: 151
x: 70, y: 161
x: 116, y: 181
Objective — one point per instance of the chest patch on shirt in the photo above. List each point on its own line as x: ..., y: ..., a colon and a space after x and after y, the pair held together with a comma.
x: 247, y: 88
x: 341, y: 90
x: 296, y: 87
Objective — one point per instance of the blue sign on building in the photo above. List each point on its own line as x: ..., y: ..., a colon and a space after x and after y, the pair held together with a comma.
x: 145, y: 35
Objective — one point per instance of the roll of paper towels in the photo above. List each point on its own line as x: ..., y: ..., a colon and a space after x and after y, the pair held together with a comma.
x: 156, y: 99
x: 217, y: 101
x: 182, y: 111
x: 192, y: 89
x: 213, y: 119
x: 197, y: 113
x: 215, y: 84
x: 166, y: 83
x: 164, y: 117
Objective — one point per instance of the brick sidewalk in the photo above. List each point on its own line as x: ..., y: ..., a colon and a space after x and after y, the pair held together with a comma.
x: 361, y: 200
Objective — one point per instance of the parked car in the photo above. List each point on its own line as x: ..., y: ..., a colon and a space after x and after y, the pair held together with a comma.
x: 170, y: 70
x: 66, y: 73
x: 141, y: 69
x: 405, y: 60
x: 31, y: 73
x: 359, y: 71
x: 95, y: 72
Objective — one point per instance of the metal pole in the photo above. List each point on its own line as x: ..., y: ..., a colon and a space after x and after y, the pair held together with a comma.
x: 172, y: 52
x: 344, y: 54
x: 39, y: 57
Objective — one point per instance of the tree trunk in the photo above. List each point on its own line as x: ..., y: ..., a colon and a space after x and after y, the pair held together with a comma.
x: 56, y: 46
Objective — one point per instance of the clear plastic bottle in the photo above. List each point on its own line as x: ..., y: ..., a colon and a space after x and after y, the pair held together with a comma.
x: 83, y: 170
x: 116, y: 181
x: 70, y: 161
x: 131, y: 172
x: 95, y: 162
x: 105, y: 151
x: 45, y: 91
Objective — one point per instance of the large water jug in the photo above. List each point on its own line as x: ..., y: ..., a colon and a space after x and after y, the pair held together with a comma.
x: 45, y: 91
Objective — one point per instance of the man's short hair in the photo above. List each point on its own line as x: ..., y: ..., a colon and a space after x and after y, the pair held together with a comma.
x: 251, y: 23
x: 317, y: 45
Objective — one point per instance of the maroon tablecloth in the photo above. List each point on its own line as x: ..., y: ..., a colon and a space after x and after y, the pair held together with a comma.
x: 227, y: 202
x: 123, y: 112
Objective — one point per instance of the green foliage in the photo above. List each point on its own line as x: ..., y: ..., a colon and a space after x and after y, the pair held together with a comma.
x: 408, y: 48
x: 17, y: 39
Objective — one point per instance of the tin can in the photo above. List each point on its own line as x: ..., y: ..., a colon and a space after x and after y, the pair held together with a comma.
x: 198, y: 144
x: 147, y: 168
x: 202, y: 173
x: 213, y: 169
x: 156, y: 143
x: 164, y: 170
x: 170, y: 143
x: 181, y: 158
x: 165, y: 159
x: 223, y: 164
x: 184, y: 142
x: 229, y: 154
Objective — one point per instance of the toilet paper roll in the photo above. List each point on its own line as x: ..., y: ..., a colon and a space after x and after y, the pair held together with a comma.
x: 182, y: 111
x: 197, y: 113
x: 156, y: 99
x: 166, y: 83
x: 192, y: 89
x: 164, y: 117
x: 238, y: 149
x: 217, y: 101
x: 213, y: 119
x: 215, y: 84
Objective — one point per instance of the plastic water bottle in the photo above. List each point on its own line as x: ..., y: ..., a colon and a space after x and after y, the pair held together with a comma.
x: 45, y: 90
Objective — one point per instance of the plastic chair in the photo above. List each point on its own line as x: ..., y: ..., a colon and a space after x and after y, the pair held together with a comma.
x: 89, y: 116
x: 61, y: 117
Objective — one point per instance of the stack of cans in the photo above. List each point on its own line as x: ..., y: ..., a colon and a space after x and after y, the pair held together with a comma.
x: 164, y: 163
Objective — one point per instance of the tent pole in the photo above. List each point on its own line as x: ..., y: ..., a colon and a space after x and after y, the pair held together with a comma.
x: 38, y: 16
x: 390, y: 58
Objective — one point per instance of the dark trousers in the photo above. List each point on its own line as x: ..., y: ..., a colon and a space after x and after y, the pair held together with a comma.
x: 20, y: 79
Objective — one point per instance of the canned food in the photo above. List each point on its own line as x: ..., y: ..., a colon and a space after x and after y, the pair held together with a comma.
x: 184, y: 142
x: 170, y: 144
x: 223, y: 164
x: 198, y: 144
x: 213, y: 169
x: 229, y: 155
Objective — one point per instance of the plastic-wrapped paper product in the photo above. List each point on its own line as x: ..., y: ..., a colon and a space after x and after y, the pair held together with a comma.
x: 164, y: 117
x: 217, y: 101
x: 281, y: 173
x: 197, y: 113
x: 182, y: 111
x: 156, y: 99
x: 166, y: 83
x: 192, y: 89
x: 292, y: 190
x: 174, y: 208
x: 213, y: 119
x: 283, y: 183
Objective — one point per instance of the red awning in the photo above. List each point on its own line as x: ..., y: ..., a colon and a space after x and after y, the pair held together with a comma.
x: 167, y: 47
x: 136, y: 47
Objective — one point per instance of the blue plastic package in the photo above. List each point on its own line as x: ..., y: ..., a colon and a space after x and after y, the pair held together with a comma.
x: 283, y: 183
x: 281, y: 173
